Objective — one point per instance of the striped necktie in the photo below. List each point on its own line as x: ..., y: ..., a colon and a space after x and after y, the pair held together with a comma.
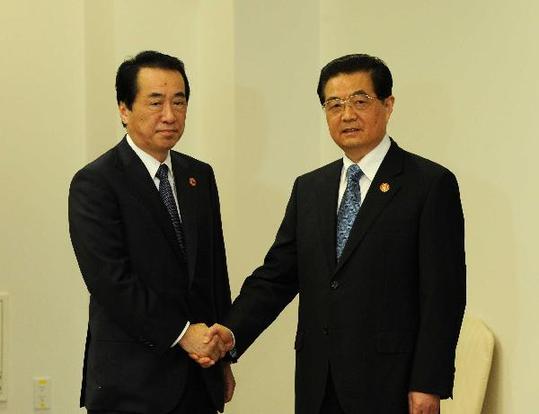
x: 165, y: 191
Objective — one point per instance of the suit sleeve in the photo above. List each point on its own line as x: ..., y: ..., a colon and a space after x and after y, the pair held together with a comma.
x: 97, y: 233
x: 442, y: 288
x: 270, y: 288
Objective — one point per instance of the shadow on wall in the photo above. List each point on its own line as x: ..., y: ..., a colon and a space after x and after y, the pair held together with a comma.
x: 492, y: 291
x: 429, y: 132
x: 262, y: 192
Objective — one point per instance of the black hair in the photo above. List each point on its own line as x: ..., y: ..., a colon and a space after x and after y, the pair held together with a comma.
x: 380, y: 73
x: 126, y: 77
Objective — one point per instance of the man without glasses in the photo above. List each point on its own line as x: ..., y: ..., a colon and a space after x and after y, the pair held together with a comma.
x: 146, y: 229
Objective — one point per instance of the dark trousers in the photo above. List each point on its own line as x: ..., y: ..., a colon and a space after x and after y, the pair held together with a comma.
x: 195, y: 398
x: 330, y: 403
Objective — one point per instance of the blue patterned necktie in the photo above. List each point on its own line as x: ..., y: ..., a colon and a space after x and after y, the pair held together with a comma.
x: 165, y: 191
x: 349, y: 207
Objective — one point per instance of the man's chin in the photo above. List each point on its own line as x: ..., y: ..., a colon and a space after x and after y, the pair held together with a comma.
x: 351, y: 143
x: 165, y: 146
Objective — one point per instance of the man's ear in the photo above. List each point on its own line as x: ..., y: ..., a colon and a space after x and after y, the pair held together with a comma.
x: 388, y: 103
x: 124, y: 113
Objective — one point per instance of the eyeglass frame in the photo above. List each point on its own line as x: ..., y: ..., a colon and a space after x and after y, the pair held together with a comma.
x: 347, y: 100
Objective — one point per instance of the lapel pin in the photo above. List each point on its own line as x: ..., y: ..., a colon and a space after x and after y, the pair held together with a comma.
x: 384, y: 187
x: 192, y: 182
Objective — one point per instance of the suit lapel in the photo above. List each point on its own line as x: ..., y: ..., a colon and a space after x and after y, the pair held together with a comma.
x: 143, y: 188
x: 327, y: 194
x: 186, y: 187
x: 383, y: 188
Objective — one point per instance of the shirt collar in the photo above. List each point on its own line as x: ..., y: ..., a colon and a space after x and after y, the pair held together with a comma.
x: 149, y: 162
x: 370, y: 163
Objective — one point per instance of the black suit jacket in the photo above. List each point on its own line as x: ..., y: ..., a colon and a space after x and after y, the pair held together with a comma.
x: 141, y: 291
x: 385, y: 319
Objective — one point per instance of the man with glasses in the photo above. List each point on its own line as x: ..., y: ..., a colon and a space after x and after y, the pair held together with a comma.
x: 374, y: 245
x: 146, y: 229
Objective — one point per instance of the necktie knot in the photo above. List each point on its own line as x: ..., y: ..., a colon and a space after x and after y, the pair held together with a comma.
x: 162, y: 172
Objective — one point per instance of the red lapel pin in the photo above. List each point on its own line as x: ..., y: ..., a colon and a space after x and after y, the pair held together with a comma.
x: 192, y: 182
x: 384, y: 187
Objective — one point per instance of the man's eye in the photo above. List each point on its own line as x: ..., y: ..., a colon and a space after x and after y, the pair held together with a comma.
x: 334, y: 106
x: 155, y: 103
x: 360, y: 100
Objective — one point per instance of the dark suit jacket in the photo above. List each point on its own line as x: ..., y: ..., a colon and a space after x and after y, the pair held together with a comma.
x: 385, y: 319
x: 141, y: 292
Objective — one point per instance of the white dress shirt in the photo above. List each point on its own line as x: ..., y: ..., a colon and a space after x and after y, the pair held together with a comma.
x: 369, y: 164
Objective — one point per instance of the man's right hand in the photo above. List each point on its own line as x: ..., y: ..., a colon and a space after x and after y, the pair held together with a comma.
x: 216, y: 332
x: 197, y: 341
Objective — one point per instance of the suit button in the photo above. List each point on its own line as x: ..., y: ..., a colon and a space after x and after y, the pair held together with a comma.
x: 325, y: 330
x: 334, y: 284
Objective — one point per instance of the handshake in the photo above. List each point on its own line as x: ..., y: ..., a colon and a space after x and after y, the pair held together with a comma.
x: 207, y: 345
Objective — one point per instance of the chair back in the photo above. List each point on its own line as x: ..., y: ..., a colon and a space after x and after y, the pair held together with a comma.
x: 474, y: 352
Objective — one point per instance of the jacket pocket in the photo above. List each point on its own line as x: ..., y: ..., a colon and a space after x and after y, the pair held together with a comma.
x: 395, y: 342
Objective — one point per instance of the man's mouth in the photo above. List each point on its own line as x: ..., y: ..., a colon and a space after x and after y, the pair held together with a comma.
x: 350, y: 130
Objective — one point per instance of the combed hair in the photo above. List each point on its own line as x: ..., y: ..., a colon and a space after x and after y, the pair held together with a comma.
x: 380, y: 74
x: 126, y: 77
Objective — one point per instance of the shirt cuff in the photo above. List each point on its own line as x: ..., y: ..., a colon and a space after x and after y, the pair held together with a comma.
x: 233, y: 339
x: 183, y: 333
x: 233, y: 352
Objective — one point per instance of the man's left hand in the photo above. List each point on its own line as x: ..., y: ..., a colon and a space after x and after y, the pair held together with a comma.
x: 230, y: 382
x: 421, y: 403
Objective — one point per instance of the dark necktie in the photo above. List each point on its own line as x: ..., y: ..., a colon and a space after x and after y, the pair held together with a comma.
x: 349, y: 207
x: 165, y: 191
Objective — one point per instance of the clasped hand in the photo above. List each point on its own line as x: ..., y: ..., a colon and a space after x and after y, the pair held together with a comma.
x: 206, y: 345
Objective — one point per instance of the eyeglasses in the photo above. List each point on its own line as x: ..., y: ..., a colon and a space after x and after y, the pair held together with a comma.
x: 358, y: 102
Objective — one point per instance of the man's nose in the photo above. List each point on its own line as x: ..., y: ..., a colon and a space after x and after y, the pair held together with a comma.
x: 168, y: 113
x: 348, y: 112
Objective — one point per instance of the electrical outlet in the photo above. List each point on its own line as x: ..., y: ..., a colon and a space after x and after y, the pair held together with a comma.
x: 42, y: 393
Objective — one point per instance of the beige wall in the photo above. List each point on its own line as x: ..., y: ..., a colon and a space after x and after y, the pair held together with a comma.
x: 42, y: 119
x: 466, y: 89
